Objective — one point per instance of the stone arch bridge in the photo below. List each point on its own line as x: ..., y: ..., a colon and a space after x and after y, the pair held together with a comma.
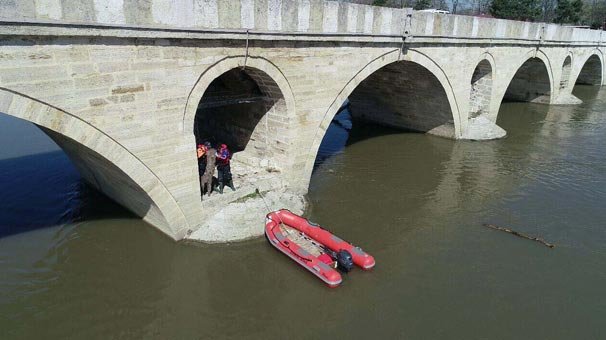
x: 128, y: 87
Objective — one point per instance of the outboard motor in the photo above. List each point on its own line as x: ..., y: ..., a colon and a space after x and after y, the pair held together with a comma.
x: 344, y: 260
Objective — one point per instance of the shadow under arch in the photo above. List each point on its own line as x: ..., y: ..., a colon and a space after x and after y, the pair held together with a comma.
x: 566, y: 68
x: 103, y: 162
x: 531, y: 81
x: 591, y: 73
x: 222, y: 66
x: 412, y: 57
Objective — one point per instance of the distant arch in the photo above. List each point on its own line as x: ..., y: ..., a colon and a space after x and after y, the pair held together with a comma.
x: 481, y: 89
x: 591, y: 72
x: 103, y: 162
x: 566, y: 67
x: 532, y: 80
x: 413, y: 57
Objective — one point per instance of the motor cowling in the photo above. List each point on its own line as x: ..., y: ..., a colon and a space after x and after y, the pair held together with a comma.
x: 344, y: 260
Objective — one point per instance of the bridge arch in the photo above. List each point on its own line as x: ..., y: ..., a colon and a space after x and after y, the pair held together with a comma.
x: 259, y: 132
x: 566, y: 68
x: 416, y: 59
x: 530, y: 81
x: 481, y: 88
x: 591, y: 71
x: 103, y: 162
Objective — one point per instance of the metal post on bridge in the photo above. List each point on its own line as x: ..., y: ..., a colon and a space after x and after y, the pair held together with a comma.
x: 541, y: 40
x: 406, y: 32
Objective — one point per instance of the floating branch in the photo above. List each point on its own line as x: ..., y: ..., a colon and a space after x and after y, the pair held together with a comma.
x: 513, y: 232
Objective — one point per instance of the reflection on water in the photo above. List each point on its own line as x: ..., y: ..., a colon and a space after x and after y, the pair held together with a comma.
x: 414, y: 201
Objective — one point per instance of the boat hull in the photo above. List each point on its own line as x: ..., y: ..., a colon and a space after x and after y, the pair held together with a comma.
x: 313, y: 264
x: 308, y: 261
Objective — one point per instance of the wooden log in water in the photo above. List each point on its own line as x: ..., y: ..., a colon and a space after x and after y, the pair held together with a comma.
x: 513, y: 232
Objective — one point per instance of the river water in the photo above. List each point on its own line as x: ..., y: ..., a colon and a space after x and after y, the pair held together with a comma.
x: 75, y: 265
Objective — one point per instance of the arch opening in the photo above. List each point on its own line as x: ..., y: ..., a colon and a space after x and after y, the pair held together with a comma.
x: 102, y: 162
x: 565, y: 72
x: 246, y: 110
x: 481, y: 89
x: 402, y: 96
x: 591, y: 73
x: 39, y: 186
x: 106, y: 177
x: 531, y: 83
x: 62, y: 166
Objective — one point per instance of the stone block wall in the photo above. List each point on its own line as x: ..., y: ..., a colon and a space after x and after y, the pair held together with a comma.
x: 565, y: 78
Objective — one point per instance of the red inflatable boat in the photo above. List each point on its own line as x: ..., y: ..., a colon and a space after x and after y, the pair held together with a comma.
x: 313, y: 247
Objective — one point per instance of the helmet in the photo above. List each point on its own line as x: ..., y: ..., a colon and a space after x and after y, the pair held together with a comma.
x: 223, y: 146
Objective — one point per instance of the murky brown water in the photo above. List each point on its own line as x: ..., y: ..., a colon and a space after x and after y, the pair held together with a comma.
x: 415, y: 202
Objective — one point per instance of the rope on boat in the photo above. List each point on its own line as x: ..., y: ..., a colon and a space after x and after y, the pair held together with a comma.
x: 265, y: 202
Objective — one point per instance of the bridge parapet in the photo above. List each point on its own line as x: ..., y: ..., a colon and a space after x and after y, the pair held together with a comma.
x: 461, y: 26
x: 311, y: 16
x: 315, y: 17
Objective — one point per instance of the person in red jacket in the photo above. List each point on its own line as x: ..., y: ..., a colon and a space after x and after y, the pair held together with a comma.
x: 223, y: 168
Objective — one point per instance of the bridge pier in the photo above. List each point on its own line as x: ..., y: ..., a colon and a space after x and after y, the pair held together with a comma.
x: 566, y: 98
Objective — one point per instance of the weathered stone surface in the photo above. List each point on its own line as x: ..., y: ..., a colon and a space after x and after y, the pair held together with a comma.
x: 481, y: 128
x: 128, y: 89
x: 244, y: 219
x: 97, y: 102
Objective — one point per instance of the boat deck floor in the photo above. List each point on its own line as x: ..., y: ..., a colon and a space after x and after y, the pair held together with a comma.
x: 304, y: 241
